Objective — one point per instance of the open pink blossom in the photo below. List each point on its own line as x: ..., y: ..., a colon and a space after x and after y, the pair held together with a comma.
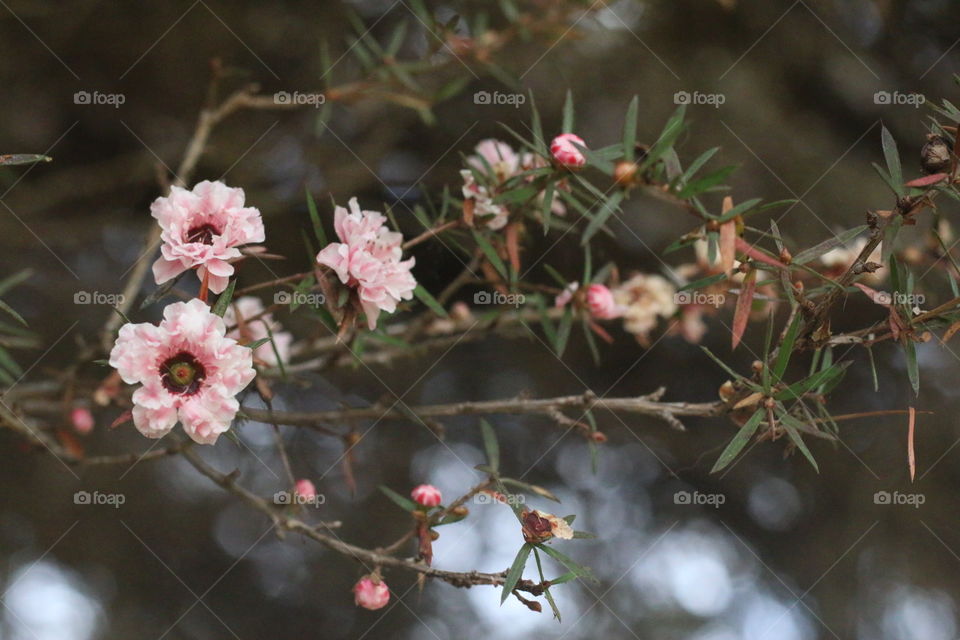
x: 565, y: 151
x: 498, y: 156
x: 494, y: 215
x: 368, y: 259
x: 255, y: 328
x: 426, y: 495
x: 601, y: 304
x: 371, y: 592
x: 189, y: 369
x: 202, y: 229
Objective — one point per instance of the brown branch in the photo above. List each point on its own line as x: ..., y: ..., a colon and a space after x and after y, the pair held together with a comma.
x: 642, y: 405
x: 367, y: 557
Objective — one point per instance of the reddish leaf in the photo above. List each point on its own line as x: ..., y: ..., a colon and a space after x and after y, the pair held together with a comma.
x: 513, y: 245
x: 878, y: 297
x: 728, y: 238
x: 597, y: 329
x: 69, y: 442
x: 744, y: 303
x: 926, y: 181
x: 124, y: 417
x: 744, y: 247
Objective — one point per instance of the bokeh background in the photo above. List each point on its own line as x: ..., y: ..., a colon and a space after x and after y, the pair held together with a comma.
x: 790, y: 554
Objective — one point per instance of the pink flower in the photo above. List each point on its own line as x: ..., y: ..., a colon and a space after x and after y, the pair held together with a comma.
x: 82, y: 420
x: 566, y: 153
x: 601, y: 304
x: 368, y: 259
x: 371, y: 592
x: 494, y: 215
x: 498, y: 156
x: 255, y: 328
x: 426, y: 495
x: 189, y: 371
x: 201, y: 229
x: 566, y: 295
x: 305, y: 490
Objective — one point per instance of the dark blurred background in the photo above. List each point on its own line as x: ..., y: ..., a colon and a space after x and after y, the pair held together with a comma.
x: 790, y: 554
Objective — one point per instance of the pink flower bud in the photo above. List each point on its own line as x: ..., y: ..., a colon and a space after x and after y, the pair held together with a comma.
x: 427, y: 495
x: 305, y: 489
x: 601, y: 303
x: 82, y: 420
x: 566, y: 153
x: 371, y: 593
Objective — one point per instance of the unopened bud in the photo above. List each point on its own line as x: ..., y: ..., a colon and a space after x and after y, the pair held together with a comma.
x: 757, y: 366
x: 598, y: 437
x: 82, y: 420
x: 305, y: 489
x: 726, y: 391
x: 785, y: 256
x: 434, y: 534
x: 625, y: 173
x: 460, y: 512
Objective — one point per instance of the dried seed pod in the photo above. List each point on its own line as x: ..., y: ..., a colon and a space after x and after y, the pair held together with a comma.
x: 935, y: 155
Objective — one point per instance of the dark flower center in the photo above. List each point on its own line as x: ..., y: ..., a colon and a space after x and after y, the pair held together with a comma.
x: 535, y: 528
x: 202, y: 233
x: 182, y: 374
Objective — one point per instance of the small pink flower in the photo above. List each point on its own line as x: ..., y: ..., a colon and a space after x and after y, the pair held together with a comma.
x: 371, y: 593
x: 305, y: 490
x: 566, y: 295
x: 202, y: 229
x: 189, y: 371
x: 566, y: 153
x: 82, y: 420
x: 494, y: 215
x: 368, y: 259
x: 600, y: 302
x: 255, y: 324
x: 426, y: 495
x: 498, y: 156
